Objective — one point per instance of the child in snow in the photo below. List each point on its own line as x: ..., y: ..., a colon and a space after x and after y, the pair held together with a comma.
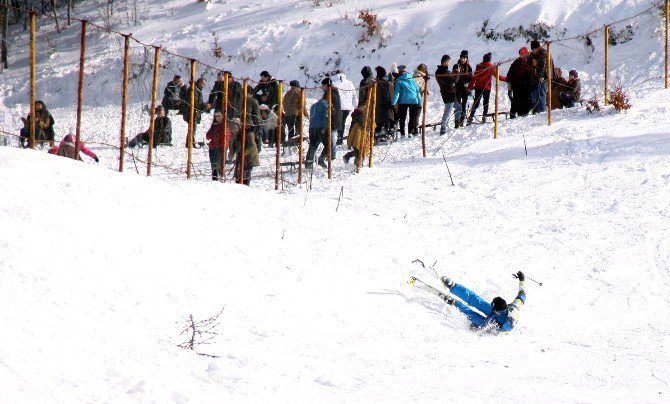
x: 66, y: 148
x: 494, y: 316
x: 217, y: 144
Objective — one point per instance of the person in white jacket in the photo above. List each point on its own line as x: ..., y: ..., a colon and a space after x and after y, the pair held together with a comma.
x: 268, y: 127
x: 348, y: 100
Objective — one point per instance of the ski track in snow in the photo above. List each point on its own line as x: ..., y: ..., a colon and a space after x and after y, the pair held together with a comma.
x: 99, y: 269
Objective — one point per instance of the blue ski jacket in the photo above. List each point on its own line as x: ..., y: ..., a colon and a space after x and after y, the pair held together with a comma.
x: 504, y: 320
x: 318, y: 115
x: 406, y: 90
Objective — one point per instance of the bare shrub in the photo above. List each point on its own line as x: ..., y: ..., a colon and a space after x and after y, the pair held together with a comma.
x: 593, y: 105
x: 216, y: 48
x: 200, y: 332
x: 619, y: 99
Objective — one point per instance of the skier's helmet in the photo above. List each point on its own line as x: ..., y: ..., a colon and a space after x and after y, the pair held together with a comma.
x: 499, y: 304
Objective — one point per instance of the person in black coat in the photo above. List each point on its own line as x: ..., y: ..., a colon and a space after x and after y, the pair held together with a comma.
x: 447, y: 82
x: 173, y: 94
x: 162, y: 131
x: 518, y: 85
x: 365, y: 85
x: 464, y: 72
x: 199, y: 106
x: 384, y: 105
x: 266, y: 90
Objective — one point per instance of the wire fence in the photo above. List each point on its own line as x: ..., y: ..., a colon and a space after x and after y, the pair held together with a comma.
x: 160, y: 114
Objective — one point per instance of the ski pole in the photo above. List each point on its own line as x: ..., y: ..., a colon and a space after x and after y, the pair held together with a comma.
x: 527, y: 277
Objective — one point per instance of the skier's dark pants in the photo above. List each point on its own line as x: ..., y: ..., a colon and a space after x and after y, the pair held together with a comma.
x: 340, y: 132
x: 521, y: 103
x: 414, y: 114
x: 292, y: 122
x: 215, y: 161
x: 402, y: 117
x: 462, y: 98
x: 353, y: 153
x: 469, y: 301
x: 479, y: 94
x: 317, y: 137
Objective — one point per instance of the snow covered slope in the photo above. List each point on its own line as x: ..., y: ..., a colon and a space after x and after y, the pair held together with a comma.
x: 99, y: 269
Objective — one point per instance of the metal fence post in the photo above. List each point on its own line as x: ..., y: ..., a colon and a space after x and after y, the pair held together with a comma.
x: 243, y: 141
x: 361, y: 143
x: 423, y: 120
x: 302, y: 117
x: 550, y: 74
x: 374, y: 123
x: 33, y: 121
x: 495, y: 116
x: 191, y: 121
x: 80, y: 99
x: 667, y: 18
x: 279, y: 131
x: 607, y: 45
x: 330, y: 130
x: 224, y: 129
x: 124, y: 101
x: 152, y: 113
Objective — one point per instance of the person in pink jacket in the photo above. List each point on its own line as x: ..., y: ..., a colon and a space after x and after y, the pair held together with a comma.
x: 66, y: 148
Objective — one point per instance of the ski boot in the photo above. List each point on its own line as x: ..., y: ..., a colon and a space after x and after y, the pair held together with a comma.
x: 448, y: 283
x: 447, y: 299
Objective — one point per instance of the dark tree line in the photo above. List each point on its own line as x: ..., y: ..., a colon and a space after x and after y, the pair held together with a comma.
x: 19, y: 14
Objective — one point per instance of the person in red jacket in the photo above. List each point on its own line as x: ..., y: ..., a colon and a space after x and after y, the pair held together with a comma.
x: 66, y: 148
x: 481, y: 82
x: 217, y: 144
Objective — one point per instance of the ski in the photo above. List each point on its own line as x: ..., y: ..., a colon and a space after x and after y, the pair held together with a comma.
x: 423, y: 285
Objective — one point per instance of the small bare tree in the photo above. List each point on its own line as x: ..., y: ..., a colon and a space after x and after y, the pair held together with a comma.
x: 200, y: 332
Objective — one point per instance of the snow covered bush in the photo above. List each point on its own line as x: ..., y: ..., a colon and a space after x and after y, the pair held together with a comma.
x: 539, y: 31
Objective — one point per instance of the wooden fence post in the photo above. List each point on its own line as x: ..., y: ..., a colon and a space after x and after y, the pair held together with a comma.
x: 374, y: 123
x: 550, y: 74
x: 80, y: 98
x: 124, y: 101
x: 224, y: 129
x: 152, y: 112
x: 33, y: 91
x: 302, y: 117
x: 330, y: 130
x: 243, y: 141
x: 191, y: 122
x: 423, y: 120
x: 279, y: 131
x: 495, y: 116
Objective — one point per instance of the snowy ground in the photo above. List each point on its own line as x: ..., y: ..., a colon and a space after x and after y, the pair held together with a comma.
x: 99, y: 270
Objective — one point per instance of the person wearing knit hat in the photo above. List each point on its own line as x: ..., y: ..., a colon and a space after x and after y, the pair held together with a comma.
x: 384, y: 108
x: 291, y: 105
x: 406, y: 97
x: 481, y: 82
x: 573, y: 92
x: 518, y: 89
x: 495, y: 316
x: 463, y: 72
x: 266, y: 90
x: 539, y: 77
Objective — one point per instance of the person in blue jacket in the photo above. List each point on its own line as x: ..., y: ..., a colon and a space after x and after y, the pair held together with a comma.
x: 491, y: 316
x: 318, y: 126
x: 406, y: 95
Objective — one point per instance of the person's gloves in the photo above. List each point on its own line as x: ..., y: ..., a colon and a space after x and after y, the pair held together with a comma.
x: 521, y: 276
x: 97, y: 160
x: 510, y: 94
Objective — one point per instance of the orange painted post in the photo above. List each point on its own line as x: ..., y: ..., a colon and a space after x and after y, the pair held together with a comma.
x: 361, y: 143
x: 667, y: 18
x: 330, y: 130
x: 374, y: 122
x: 607, y: 46
x: 124, y: 101
x: 191, y: 122
x: 302, y: 117
x: 224, y: 129
x: 152, y: 113
x: 80, y: 98
x: 243, y: 142
x: 495, y: 116
x: 549, y: 76
x: 279, y: 131
x: 33, y: 121
x: 423, y: 120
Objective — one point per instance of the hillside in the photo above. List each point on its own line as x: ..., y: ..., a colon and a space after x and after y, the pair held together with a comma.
x: 100, y: 270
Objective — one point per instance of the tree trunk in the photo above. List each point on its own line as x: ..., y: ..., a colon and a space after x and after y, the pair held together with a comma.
x: 3, y: 31
x: 53, y: 5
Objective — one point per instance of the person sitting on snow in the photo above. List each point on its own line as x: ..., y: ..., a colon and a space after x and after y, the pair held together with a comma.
x: 494, y: 316
x: 67, y: 147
